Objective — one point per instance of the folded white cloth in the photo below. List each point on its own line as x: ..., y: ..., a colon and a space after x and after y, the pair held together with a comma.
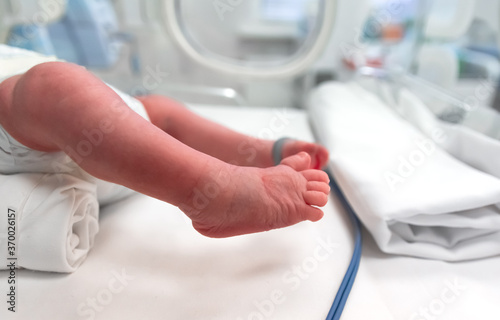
x: 413, y: 196
x: 474, y: 148
x: 56, y: 220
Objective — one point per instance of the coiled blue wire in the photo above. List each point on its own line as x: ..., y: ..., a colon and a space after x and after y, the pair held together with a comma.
x: 348, y: 281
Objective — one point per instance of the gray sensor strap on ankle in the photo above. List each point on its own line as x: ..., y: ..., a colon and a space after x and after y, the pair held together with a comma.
x: 277, y: 150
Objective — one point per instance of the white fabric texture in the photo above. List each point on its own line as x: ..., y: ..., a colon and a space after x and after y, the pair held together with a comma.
x: 16, y: 61
x: 56, y: 220
x: 471, y: 147
x: 413, y: 196
x: 156, y: 266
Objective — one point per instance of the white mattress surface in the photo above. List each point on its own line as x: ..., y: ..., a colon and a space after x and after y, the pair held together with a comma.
x: 148, y: 263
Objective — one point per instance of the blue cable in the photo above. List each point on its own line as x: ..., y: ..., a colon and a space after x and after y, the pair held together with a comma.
x: 350, y: 275
x: 348, y: 281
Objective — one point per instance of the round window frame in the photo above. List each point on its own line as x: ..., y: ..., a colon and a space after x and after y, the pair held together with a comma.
x: 297, y: 64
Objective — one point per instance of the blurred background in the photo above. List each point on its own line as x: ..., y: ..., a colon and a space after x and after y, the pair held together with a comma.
x: 452, y: 44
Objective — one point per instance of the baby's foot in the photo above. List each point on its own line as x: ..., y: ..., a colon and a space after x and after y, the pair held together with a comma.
x: 318, y: 153
x: 254, y: 199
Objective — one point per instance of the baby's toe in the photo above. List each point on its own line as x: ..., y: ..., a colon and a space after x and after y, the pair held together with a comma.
x: 316, y: 175
x: 299, y: 162
x: 313, y: 214
x: 318, y: 186
x: 315, y: 198
x: 322, y: 157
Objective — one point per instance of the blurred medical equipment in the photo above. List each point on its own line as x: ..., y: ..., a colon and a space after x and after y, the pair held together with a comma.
x: 87, y: 34
x: 456, y: 57
x: 177, y: 12
x: 248, y: 35
x: 79, y: 31
x: 440, y: 51
x: 444, y: 104
x: 29, y: 18
x: 28, y: 12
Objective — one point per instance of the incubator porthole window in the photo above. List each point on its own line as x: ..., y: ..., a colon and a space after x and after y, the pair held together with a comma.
x: 257, y: 38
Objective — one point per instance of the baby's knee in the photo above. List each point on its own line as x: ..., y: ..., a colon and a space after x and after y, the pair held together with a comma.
x: 31, y: 88
x: 52, y: 75
x: 46, y: 84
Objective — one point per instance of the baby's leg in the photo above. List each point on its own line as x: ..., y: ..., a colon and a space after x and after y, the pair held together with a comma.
x: 219, y: 141
x: 58, y: 106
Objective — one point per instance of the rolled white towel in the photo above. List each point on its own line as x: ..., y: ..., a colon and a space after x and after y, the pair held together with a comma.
x: 56, y: 220
x: 413, y: 196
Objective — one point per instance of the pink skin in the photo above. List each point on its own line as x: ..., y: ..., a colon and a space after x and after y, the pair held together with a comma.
x: 174, y: 159
x: 270, y: 198
x: 318, y: 154
x: 199, y: 133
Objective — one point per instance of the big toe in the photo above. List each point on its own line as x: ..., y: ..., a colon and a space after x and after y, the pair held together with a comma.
x: 322, y: 157
x: 299, y: 162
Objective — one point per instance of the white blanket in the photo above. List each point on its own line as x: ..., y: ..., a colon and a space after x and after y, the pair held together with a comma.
x: 413, y: 196
x: 48, y: 221
x: 471, y: 147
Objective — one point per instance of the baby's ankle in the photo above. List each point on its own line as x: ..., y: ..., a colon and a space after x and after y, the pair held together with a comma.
x: 212, y: 187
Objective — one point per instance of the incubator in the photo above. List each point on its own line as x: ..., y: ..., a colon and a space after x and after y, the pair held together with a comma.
x: 403, y: 93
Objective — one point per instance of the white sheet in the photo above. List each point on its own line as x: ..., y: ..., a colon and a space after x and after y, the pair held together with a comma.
x: 178, y: 274
x: 473, y: 148
x: 54, y: 221
x: 168, y: 271
x: 390, y: 287
x: 415, y: 198
x: 15, y: 61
